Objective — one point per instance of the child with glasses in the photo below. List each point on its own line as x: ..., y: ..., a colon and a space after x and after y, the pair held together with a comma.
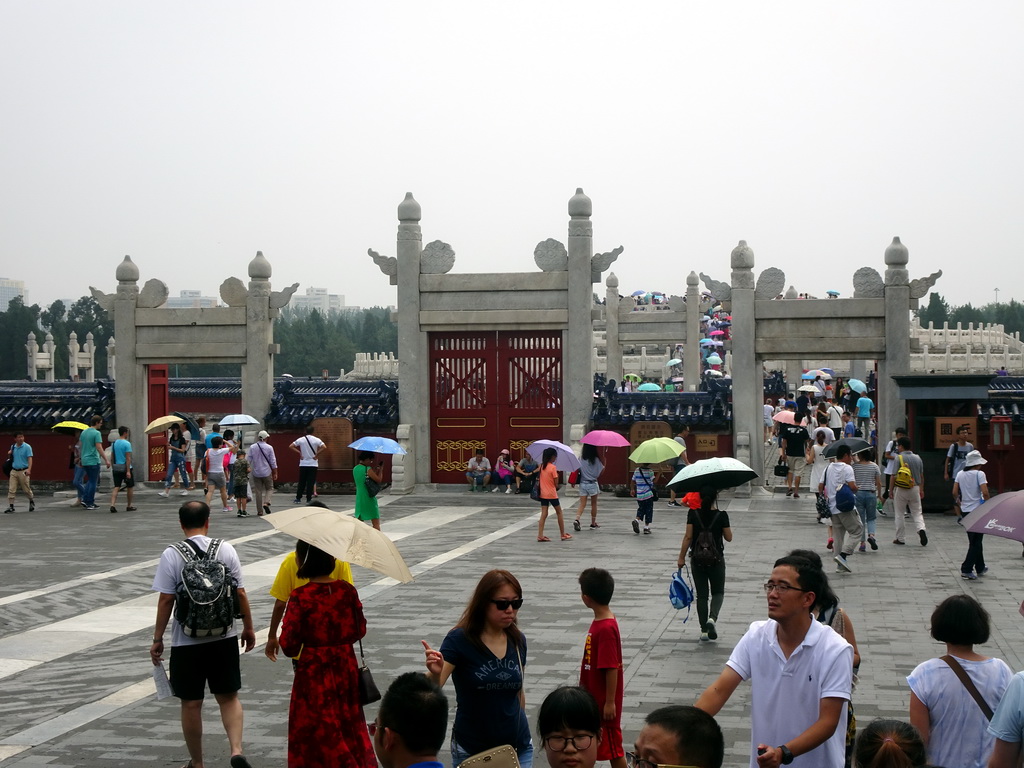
x: 601, y: 671
x: 569, y: 725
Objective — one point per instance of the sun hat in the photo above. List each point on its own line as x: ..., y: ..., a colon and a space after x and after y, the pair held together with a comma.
x: 975, y: 459
x: 263, y: 434
x: 504, y: 450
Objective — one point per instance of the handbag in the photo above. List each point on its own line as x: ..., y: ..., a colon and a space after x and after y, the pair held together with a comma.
x: 781, y: 468
x: 368, y: 692
x: 535, y: 489
x: 968, y: 684
x: 499, y: 757
x: 822, y: 507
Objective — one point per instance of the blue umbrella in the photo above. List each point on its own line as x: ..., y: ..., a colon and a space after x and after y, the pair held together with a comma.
x: 829, y: 371
x: 807, y: 377
x: 638, y: 293
x: 377, y: 445
x: 707, y: 341
x: 648, y: 386
x: 857, y: 386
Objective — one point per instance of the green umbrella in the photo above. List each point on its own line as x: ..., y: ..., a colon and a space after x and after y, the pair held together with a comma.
x: 655, y: 451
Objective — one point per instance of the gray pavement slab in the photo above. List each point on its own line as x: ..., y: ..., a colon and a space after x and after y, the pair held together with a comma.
x: 89, y: 705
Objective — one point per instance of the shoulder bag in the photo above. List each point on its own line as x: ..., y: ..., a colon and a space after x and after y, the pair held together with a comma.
x: 368, y: 692
x: 972, y: 689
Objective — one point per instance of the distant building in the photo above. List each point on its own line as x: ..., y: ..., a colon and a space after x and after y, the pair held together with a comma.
x: 319, y: 298
x: 9, y: 289
x: 191, y: 300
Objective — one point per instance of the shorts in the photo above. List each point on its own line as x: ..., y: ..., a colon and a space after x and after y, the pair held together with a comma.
x: 123, y: 480
x: 796, y: 464
x: 610, y: 747
x: 217, y: 480
x: 215, y: 662
x: 590, y: 489
x: 551, y: 502
x: 241, y: 491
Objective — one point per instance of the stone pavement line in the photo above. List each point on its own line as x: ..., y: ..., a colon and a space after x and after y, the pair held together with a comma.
x: 25, y: 650
x: 86, y: 713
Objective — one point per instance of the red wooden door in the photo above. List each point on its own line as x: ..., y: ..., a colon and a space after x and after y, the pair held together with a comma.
x: 491, y: 390
x: 158, y: 391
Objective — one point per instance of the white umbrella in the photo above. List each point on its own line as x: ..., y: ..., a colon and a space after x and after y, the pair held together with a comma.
x: 238, y: 420
x: 565, y: 461
x: 344, y: 537
x: 718, y: 472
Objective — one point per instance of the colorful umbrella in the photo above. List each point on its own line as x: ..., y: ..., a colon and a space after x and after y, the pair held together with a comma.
x: 857, y: 386
x: 707, y: 341
x: 1002, y: 515
x: 819, y: 372
x: 673, y: 361
x: 648, y: 386
x: 631, y: 377
x: 605, y: 438
x: 69, y: 427
x: 717, y: 333
x: 714, y: 360
x: 377, y: 445
x: 655, y: 451
x: 785, y: 417
x: 565, y: 460
x: 162, y: 423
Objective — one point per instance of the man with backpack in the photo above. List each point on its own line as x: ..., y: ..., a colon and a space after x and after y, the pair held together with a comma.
x: 200, y: 583
x: 839, y: 486
x: 906, y: 486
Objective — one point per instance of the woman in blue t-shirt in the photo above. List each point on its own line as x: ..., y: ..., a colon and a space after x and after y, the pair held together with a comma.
x: 484, y: 655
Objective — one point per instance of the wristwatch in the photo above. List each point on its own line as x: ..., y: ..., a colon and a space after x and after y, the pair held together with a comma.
x: 787, y: 756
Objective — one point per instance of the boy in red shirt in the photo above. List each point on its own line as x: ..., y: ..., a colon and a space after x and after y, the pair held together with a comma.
x: 601, y: 671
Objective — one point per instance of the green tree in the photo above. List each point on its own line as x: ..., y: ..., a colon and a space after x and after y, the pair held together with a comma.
x: 15, y: 325
x: 937, y: 311
x: 84, y: 317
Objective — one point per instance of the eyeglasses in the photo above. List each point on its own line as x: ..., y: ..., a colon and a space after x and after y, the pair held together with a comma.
x: 780, y: 588
x: 633, y: 761
x: 580, y: 742
x: 503, y: 605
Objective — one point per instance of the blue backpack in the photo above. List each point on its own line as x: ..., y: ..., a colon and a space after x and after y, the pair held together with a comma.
x: 680, y: 593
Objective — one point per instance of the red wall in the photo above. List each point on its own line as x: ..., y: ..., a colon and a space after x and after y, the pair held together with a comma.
x: 50, y: 455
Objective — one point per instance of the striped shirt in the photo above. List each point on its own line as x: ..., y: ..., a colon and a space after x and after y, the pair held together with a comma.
x: 864, y: 474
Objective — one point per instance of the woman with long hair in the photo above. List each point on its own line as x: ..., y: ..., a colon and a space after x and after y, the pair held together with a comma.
x: 949, y: 719
x: 367, y: 508
x: 569, y: 726
x: 708, y: 577
x: 177, y: 450
x: 889, y: 744
x: 816, y: 458
x: 326, y: 725
x: 591, y: 468
x: 869, y: 487
x: 548, y: 479
x: 485, y: 655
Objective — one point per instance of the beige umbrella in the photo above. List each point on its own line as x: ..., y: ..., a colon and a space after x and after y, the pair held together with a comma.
x: 162, y: 423
x: 344, y: 537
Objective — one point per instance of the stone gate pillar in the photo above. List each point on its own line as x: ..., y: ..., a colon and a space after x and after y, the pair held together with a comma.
x: 413, y: 359
x: 131, y: 399
x: 747, y: 382
x: 577, y: 358
x: 258, y: 369
x: 613, y: 353
x: 691, y: 352
x: 891, y: 409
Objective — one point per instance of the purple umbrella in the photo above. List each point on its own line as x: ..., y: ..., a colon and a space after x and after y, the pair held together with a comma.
x: 1002, y: 515
x: 605, y: 438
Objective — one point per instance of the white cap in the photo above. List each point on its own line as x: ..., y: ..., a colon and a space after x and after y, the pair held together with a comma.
x: 263, y: 434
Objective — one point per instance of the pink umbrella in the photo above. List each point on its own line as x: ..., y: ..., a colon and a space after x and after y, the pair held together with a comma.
x: 605, y: 438
x: 717, y: 333
x: 785, y: 417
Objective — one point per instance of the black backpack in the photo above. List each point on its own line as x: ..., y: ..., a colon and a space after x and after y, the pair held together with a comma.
x: 205, y: 601
x: 705, y: 552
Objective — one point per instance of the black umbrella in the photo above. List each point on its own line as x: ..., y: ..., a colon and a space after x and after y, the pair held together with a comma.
x: 193, y: 428
x: 855, y: 444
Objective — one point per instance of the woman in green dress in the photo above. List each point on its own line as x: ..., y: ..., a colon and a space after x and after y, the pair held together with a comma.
x: 366, y: 505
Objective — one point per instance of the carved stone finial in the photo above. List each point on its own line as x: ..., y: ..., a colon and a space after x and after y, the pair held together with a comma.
x: 281, y: 298
x: 106, y: 300
x: 127, y: 271
x: 259, y: 268
x: 692, y: 279
x: 599, y: 262
x: 896, y: 255
x: 676, y: 303
x: 721, y: 291
x: 791, y: 293
x: 409, y: 209
x: 868, y: 284
x: 742, y: 256
x: 437, y: 258
x: 32, y: 336
x: 612, y: 281
x: 770, y: 284
x: 580, y: 206
x: 551, y: 256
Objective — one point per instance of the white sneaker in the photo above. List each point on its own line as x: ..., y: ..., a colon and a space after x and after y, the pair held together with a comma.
x: 183, y: 493
x: 508, y: 489
x: 704, y: 638
x: 164, y: 494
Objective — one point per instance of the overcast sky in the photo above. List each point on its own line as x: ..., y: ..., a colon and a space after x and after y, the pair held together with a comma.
x: 190, y: 135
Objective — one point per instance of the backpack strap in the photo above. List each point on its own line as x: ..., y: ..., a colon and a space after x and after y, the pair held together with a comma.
x: 188, y: 550
x: 972, y: 689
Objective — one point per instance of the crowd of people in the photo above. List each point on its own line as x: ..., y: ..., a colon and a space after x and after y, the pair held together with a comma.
x: 802, y: 662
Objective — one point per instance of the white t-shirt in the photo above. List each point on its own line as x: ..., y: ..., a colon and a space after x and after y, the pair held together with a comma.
x: 970, y: 482
x: 215, y: 460
x: 829, y: 435
x: 769, y: 411
x: 893, y: 463
x: 959, y: 730
x: 168, y: 577
x: 308, y: 446
x: 786, y: 693
x: 836, y: 474
x: 835, y: 417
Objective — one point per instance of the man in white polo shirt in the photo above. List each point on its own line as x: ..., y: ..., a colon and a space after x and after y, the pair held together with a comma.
x: 800, y: 673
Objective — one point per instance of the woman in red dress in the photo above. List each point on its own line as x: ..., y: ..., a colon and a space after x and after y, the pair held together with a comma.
x: 326, y: 725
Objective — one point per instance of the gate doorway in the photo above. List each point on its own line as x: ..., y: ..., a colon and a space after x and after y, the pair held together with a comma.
x: 491, y: 390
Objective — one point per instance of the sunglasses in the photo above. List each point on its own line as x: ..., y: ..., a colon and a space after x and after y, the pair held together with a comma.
x: 503, y: 605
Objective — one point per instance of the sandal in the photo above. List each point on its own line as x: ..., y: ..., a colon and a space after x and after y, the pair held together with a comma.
x: 543, y: 538
x: 566, y: 536
x: 131, y: 509
x: 594, y: 525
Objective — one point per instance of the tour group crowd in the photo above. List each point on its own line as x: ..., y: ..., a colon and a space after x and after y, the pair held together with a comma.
x: 966, y: 709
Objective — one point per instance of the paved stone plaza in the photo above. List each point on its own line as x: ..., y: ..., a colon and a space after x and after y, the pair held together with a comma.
x: 76, y: 613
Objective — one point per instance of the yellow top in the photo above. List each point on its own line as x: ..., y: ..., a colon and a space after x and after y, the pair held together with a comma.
x: 287, y: 578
